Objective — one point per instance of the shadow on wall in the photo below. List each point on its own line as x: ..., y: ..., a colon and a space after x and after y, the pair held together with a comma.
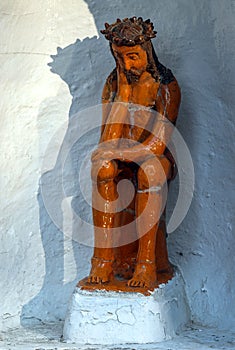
x: 78, y: 66
x: 62, y: 181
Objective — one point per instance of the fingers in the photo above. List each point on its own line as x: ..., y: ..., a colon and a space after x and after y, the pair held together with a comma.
x: 102, y: 155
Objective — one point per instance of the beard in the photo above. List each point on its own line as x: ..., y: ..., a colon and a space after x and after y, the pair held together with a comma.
x: 132, y: 76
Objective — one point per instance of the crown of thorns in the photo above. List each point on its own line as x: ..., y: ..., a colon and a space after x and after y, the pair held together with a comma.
x: 129, y: 31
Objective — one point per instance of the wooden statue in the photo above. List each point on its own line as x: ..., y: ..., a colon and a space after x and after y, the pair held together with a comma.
x: 138, y: 79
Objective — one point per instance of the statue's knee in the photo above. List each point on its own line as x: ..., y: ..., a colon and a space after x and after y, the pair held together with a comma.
x: 151, y: 174
x: 104, y: 170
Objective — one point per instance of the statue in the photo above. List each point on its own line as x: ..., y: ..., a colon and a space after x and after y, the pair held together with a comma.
x: 138, y: 79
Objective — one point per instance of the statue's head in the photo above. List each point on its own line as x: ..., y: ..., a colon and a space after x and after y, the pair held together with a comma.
x: 130, y: 43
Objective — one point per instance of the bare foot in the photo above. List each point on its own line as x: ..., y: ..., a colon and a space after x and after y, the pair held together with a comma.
x: 144, y: 275
x: 101, y: 271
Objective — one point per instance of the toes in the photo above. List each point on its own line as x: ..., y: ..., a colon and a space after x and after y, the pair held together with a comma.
x: 104, y: 280
x: 92, y: 279
x: 97, y: 279
x: 136, y: 283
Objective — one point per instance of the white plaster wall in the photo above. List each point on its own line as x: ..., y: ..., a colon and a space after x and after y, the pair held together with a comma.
x: 34, y: 104
x: 39, y: 266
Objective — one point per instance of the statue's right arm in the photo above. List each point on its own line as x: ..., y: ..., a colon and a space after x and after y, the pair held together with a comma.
x: 108, y: 95
x: 115, y: 90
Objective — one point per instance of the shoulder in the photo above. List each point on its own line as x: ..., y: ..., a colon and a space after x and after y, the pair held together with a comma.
x: 171, y: 88
x: 168, y: 83
x: 168, y: 99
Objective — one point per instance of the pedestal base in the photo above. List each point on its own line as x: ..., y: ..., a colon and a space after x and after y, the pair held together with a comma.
x: 105, y: 317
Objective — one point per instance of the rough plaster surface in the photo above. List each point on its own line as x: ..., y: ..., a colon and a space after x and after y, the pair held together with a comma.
x: 47, y: 337
x: 34, y: 103
x: 39, y: 266
x: 118, y: 318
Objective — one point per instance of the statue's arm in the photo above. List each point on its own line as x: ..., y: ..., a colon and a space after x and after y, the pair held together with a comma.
x: 168, y: 100
x: 167, y: 105
x: 115, y: 90
x: 108, y: 95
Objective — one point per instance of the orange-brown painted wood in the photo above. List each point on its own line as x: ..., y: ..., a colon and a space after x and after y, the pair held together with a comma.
x: 138, y: 79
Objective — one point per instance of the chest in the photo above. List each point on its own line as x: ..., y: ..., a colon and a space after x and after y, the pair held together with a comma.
x: 144, y: 93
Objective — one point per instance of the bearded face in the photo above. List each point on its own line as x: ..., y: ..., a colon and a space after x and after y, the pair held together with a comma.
x: 132, y: 76
x: 131, y: 60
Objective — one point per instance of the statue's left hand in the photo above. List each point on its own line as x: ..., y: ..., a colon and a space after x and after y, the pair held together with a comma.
x: 110, y: 154
x: 102, y: 154
x: 128, y: 155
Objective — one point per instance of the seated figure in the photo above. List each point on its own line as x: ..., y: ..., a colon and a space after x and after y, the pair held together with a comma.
x: 138, y: 79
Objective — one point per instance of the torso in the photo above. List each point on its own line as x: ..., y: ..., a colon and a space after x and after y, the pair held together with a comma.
x: 140, y: 120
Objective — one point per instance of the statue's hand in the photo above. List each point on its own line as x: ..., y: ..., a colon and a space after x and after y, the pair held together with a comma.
x: 102, y: 154
x: 123, y: 154
x: 111, y: 154
x: 131, y: 154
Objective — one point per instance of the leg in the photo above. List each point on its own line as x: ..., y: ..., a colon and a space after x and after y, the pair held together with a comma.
x: 103, y: 196
x: 125, y: 254
x: 152, y: 179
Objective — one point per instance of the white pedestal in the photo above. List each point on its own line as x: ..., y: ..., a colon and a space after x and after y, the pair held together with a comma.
x: 104, y: 317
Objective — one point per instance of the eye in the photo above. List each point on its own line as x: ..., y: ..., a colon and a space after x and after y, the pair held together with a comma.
x: 133, y: 57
